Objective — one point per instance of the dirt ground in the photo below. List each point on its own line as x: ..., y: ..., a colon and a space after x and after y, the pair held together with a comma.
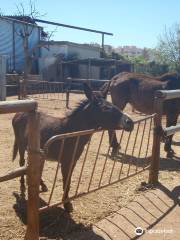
x: 56, y: 223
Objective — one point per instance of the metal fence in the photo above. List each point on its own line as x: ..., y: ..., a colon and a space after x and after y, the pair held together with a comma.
x: 96, y: 169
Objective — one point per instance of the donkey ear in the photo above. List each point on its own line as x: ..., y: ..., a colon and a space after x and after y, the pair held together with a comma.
x: 105, y: 89
x: 88, y: 92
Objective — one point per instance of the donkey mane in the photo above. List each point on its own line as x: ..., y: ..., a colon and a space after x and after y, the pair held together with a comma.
x: 78, y: 108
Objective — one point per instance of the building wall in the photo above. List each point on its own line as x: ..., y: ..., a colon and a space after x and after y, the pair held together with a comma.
x: 48, y: 64
x: 9, y: 48
x: 6, y: 41
x: 84, y: 52
x: 54, y: 50
x: 2, y: 78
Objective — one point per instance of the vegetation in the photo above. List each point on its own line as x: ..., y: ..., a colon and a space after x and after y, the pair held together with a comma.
x: 168, y: 49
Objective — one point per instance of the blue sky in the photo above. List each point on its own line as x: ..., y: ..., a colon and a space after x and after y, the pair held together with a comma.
x: 133, y: 22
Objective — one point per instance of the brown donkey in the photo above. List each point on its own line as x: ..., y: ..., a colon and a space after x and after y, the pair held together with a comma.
x: 93, y: 113
x: 138, y: 90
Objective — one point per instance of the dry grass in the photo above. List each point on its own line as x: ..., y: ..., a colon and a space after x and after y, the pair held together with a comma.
x: 88, y: 209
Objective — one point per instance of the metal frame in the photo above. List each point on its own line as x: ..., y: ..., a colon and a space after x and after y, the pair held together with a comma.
x: 77, y: 28
x: 147, y: 124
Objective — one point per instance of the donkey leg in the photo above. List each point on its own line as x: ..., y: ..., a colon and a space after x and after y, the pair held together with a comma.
x: 113, y: 142
x: 66, y: 185
x: 171, y: 121
x: 21, y: 163
x: 42, y: 184
x: 120, y: 100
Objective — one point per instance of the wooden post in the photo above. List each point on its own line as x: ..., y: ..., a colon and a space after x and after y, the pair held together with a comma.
x: 33, y: 174
x: 89, y: 72
x: 102, y: 46
x: 69, y: 80
x: 154, y: 168
x: 67, y: 98
x: 2, y: 78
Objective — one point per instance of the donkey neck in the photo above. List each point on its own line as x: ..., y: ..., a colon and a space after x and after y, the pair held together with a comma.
x: 81, y: 118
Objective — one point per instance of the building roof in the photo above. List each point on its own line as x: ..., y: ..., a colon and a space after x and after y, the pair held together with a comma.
x: 98, y: 62
x: 61, y: 43
x: 21, y: 19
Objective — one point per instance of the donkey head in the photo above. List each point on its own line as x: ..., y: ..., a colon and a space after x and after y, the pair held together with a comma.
x: 103, y: 114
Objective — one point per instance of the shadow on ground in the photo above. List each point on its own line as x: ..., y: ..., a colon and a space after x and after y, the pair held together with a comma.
x: 56, y: 223
x: 170, y: 164
x: 146, y: 212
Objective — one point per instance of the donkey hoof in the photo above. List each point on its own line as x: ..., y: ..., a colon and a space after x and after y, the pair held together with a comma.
x: 44, y: 188
x: 23, y: 190
x: 115, y: 152
x: 68, y: 207
x: 170, y: 154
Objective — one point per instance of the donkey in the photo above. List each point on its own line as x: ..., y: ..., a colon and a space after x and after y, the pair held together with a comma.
x: 93, y: 113
x: 138, y: 90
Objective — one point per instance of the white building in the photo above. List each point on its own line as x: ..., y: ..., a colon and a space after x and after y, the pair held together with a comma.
x: 130, y: 51
x: 67, y: 51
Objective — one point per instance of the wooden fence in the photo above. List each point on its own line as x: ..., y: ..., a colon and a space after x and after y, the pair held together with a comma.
x: 159, y: 132
x: 32, y: 170
x: 43, y: 91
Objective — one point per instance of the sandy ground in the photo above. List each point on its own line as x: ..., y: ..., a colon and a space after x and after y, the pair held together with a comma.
x: 56, y: 224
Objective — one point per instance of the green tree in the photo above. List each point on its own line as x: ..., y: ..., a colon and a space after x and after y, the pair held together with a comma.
x: 168, y: 49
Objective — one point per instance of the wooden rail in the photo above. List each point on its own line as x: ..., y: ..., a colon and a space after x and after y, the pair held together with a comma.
x: 160, y: 97
x: 17, y: 106
x: 14, y: 174
x: 87, y: 80
x: 171, y: 130
x: 34, y: 163
x: 168, y: 94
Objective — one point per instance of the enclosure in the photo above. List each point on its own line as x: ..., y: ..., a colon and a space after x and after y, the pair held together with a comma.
x: 99, y: 170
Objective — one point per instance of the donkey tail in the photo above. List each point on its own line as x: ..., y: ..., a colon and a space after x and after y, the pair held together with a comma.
x: 15, y: 150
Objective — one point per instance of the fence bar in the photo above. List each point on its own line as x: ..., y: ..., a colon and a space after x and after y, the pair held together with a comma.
x: 86, y: 80
x: 71, y: 166
x: 171, y: 130
x: 115, y: 161
x: 57, y: 169
x: 45, y: 208
x: 67, y: 135
x: 34, y: 175
x: 168, y: 94
x: 142, y: 138
x: 102, y: 172
x: 102, y: 135
x: 135, y: 140
x: 154, y: 168
x: 82, y: 168
x: 14, y: 174
x: 124, y: 155
x: 149, y: 136
x: 17, y: 106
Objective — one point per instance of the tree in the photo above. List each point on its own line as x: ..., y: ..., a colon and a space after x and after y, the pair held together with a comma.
x: 24, y: 32
x: 168, y: 49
